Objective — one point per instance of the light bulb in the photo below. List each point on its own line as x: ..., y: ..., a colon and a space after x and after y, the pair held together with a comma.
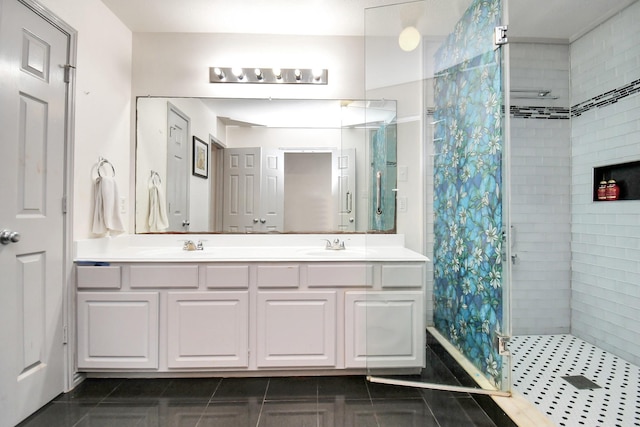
x: 409, y: 39
x: 238, y: 72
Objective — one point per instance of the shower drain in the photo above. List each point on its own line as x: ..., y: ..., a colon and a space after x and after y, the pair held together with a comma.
x: 581, y: 382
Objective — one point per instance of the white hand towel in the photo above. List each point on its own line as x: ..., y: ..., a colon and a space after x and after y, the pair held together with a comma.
x: 106, y: 216
x: 158, y: 220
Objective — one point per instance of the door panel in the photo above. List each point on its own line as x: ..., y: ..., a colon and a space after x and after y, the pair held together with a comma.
x: 33, y: 101
x: 457, y: 104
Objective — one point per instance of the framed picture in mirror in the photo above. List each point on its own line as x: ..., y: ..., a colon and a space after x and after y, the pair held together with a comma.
x: 200, y: 158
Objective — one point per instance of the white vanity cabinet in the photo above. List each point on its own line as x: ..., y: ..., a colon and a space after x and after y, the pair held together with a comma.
x: 243, y: 317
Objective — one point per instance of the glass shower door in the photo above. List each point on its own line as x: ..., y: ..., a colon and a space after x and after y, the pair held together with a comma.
x: 440, y: 62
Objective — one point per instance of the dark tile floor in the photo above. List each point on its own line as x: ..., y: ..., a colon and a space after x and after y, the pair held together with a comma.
x: 345, y: 401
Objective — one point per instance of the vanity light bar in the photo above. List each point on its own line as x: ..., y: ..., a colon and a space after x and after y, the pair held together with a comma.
x: 315, y: 76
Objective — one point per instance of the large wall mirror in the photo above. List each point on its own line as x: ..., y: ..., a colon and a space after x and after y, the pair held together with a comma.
x: 213, y: 165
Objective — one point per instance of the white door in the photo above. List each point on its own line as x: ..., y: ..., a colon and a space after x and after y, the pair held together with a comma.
x: 344, y: 170
x: 33, y: 103
x: 242, y: 172
x: 272, y: 191
x: 177, y: 170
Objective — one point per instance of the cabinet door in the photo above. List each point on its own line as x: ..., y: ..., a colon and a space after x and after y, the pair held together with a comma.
x: 296, y: 329
x: 384, y: 329
x: 207, y: 329
x: 118, y: 330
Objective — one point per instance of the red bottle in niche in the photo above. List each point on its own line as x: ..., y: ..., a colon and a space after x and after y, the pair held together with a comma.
x: 613, y: 190
x: 602, y: 190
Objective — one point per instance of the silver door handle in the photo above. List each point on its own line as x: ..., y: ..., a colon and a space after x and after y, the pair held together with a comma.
x: 262, y: 220
x: 379, y: 193
x: 8, y: 236
x: 255, y: 220
x: 186, y: 223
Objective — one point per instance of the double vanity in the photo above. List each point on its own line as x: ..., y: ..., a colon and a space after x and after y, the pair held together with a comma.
x: 154, y: 305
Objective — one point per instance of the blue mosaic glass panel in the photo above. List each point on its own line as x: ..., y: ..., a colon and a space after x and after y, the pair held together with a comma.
x: 468, y: 225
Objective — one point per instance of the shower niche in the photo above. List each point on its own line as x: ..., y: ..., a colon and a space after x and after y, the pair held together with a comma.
x: 626, y: 175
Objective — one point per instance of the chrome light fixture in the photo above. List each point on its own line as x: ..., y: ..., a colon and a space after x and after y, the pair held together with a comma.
x: 315, y: 76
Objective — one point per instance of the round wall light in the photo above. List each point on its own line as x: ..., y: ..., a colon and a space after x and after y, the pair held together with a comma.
x: 409, y: 39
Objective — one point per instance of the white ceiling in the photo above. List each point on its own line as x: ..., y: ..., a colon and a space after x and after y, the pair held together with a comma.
x: 550, y: 19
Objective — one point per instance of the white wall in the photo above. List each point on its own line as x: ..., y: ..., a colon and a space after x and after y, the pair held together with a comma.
x: 606, y: 235
x: 177, y: 64
x: 540, y: 198
x: 103, y: 101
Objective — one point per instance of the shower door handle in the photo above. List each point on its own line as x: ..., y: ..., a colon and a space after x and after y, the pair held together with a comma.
x: 379, y: 193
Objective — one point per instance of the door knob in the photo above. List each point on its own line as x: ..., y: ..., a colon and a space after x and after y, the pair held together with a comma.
x: 8, y: 236
x: 186, y: 223
x: 262, y: 220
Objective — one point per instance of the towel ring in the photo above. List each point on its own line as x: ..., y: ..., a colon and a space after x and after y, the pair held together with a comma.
x: 155, y: 177
x: 101, y: 163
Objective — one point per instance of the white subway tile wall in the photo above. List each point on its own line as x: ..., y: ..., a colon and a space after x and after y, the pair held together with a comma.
x: 606, y: 235
x: 540, y: 194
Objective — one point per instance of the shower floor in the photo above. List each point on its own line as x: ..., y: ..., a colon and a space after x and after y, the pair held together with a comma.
x: 575, y: 383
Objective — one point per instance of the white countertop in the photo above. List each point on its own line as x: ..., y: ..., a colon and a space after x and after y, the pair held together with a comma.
x: 235, y: 248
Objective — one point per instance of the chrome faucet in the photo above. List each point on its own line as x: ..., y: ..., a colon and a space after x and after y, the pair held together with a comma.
x: 336, y: 245
x: 189, y: 245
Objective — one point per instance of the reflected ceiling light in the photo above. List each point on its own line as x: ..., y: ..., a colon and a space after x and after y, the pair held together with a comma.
x: 409, y: 38
x: 316, y: 76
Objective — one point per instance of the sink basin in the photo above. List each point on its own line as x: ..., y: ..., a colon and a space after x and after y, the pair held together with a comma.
x: 335, y: 253
x: 168, y: 251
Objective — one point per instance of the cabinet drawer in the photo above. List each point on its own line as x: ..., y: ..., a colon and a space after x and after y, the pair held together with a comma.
x: 278, y: 276
x: 227, y: 276
x: 94, y: 277
x: 164, y: 276
x: 339, y: 275
x: 402, y: 275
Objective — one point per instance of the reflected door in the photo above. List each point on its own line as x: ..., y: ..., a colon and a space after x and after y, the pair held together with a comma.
x: 345, y: 177
x: 33, y: 102
x: 177, y: 170
x: 242, y: 171
x: 272, y: 191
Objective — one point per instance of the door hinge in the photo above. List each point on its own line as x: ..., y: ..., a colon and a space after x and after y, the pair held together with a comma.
x: 503, y: 342
x: 67, y: 72
x: 500, y: 36
x: 64, y: 204
x: 65, y: 335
